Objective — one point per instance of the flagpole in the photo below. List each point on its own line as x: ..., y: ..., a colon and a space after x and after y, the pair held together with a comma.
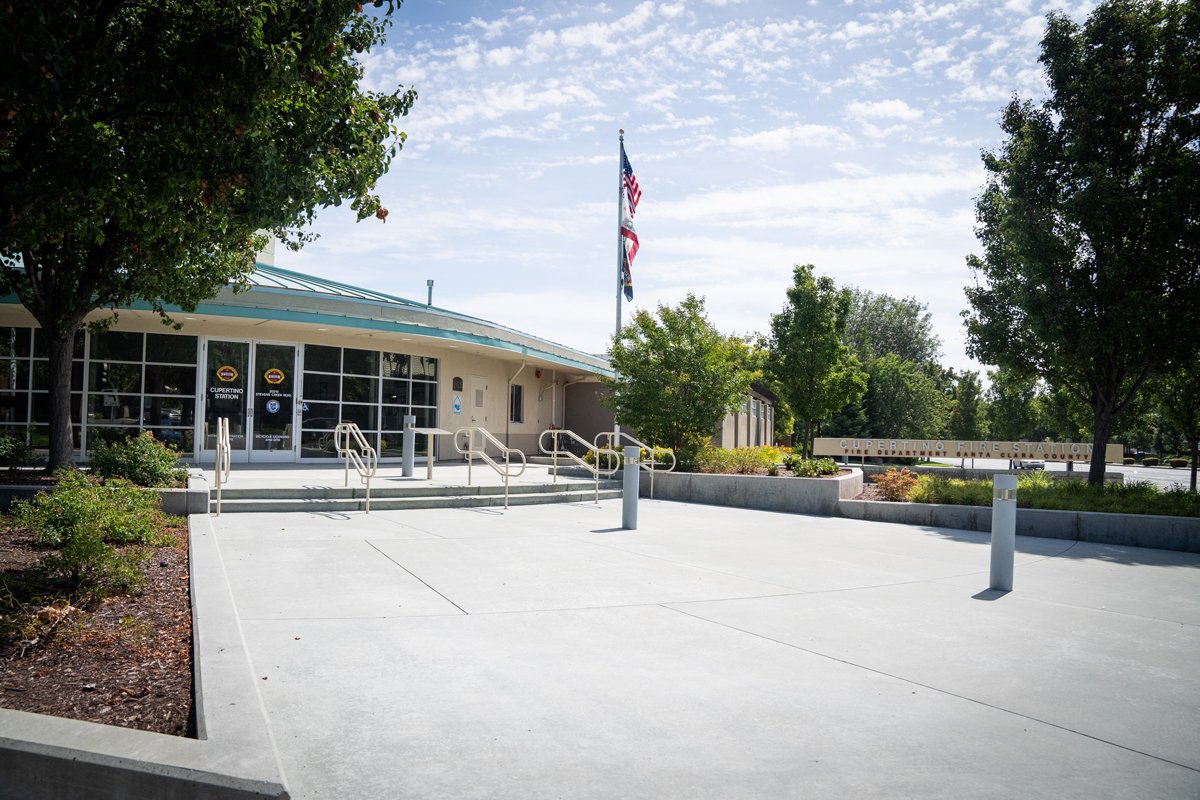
x: 620, y: 262
x: 620, y: 241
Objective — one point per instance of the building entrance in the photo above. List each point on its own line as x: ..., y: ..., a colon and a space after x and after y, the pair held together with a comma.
x: 252, y: 383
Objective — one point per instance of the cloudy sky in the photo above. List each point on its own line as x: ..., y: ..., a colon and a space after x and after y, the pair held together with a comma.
x: 764, y: 133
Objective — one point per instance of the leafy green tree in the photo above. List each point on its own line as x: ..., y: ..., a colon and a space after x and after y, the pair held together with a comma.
x: 677, y: 377
x: 815, y: 372
x: 1177, y: 394
x: 1010, y: 410
x: 1090, y: 219
x: 903, y: 400
x: 967, y: 419
x: 146, y: 145
x: 878, y: 324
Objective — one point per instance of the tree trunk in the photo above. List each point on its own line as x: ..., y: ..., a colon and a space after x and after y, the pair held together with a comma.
x: 1102, y: 430
x: 62, y: 445
x: 1194, y: 444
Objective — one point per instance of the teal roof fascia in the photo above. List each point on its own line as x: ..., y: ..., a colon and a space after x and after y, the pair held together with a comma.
x: 314, y: 317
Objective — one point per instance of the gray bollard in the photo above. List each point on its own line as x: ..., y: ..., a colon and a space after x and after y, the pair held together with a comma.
x: 409, y: 452
x: 1004, y: 531
x: 630, y: 498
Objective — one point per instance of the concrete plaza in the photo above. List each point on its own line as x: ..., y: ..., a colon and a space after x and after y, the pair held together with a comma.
x: 543, y: 652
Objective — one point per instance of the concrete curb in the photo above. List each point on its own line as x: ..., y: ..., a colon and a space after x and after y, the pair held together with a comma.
x: 1130, y: 530
x: 792, y: 495
x: 235, y: 757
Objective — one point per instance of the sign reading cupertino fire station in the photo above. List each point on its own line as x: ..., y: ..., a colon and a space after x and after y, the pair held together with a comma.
x: 951, y: 448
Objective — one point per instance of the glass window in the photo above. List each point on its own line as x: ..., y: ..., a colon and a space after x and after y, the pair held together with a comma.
x: 117, y: 346
x: 395, y: 365
x: 424, y: 368
x: 516, y: 410
x: 39, y: 345
x: 321, y: 416
x: 424, y: 394
x: 170, y: 380
x: 171, y: 349
x: 363, y: 416
x: 393, y: 418
x: 41, y: 376
x: 14, y: 408
x: 14, y: 374
x: 41, y: 407
x: 317, y: 444
x: 175, y: 412
x: 318, y: 358
x: 360, y: 362
x: 108, y: 376
x: 360, y: 390
x: 114, y: 409
x: 181, y: 439
x: 395, y: 393
x: 322, y: 387
x: 15, y: 342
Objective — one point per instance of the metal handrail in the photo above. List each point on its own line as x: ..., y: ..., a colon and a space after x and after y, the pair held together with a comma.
x: 554, y: 451
x: 651, y: 464
x: 486, y: 438
x: 360, y: 452
x: 223, y: 462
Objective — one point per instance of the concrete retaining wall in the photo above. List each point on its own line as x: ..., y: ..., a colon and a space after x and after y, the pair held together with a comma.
x: 234, y: 759
x: 179, y: 502
x: 1133, y: 530
x: 793, y: 495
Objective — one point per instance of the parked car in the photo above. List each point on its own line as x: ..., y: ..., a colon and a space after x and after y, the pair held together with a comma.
x: 1027, y: 463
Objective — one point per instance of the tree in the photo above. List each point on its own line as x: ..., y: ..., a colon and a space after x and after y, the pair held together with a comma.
x: 904, y: 401
x: 145, y: 146
x: 677, y: 377
x: 967, y: 408
x: 1090, y: 219
x: 815, y: 372
x: 878, y: 324
x: 1177, y: 393
x: 1010, y: 405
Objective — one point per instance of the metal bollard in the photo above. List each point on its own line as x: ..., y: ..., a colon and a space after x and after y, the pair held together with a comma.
x: 1004, y: 531
x: 629, y: 499
x: 408, y: 453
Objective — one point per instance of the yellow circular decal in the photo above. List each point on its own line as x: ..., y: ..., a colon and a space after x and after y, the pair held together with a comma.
x: 227, y: 373
x: 274, y: 376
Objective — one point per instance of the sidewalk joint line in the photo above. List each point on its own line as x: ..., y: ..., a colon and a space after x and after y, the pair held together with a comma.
x: 417, y: 577
x: 931, y: 688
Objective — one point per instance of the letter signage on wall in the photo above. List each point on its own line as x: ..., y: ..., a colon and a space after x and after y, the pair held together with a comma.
x: 953, y: 448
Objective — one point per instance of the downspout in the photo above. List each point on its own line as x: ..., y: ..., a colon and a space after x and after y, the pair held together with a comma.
x: 508, y: 416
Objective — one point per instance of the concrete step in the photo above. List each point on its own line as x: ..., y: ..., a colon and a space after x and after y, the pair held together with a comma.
x: 385, y: 489
x: 317, y: 506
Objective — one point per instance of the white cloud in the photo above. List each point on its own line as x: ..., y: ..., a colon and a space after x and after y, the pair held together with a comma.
x: 883, y: 109
x: 792, y: 136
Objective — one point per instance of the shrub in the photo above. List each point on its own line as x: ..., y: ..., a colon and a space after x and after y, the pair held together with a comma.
x: 1150, y: 461
x: 896, y: 485
x: 141, y: 459
x: 952, y: 491
x: 1128, y: 460
x: 810, y: 467
x: 15, y: 451
x: 83, y: 519
x: 118, y: 512
x: 1176, y: 463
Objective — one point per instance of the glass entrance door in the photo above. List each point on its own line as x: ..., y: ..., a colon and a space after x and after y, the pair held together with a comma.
x: 273, y: 436
x: 253, y: 385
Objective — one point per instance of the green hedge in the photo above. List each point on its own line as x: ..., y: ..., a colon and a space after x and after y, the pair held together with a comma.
x: 1040, y: 490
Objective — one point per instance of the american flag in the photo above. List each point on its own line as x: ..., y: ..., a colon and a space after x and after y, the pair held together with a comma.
x: 630, y: 248
x: 632, y: 192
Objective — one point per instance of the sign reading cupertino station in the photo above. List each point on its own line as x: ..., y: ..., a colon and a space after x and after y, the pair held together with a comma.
x: 952, y: 448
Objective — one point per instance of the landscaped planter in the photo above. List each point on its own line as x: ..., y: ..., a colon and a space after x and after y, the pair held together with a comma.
x: 177, y: 502
x: 1131, y: 530
x: 793, y: 495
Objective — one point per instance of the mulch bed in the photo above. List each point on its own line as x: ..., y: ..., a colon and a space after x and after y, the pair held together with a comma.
x: 124, y: 661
